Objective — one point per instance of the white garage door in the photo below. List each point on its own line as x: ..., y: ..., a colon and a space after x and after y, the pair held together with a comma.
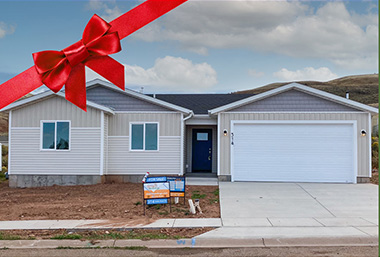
x: 294, y: 152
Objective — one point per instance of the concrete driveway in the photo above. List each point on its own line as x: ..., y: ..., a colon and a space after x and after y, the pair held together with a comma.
x: 281, y: 210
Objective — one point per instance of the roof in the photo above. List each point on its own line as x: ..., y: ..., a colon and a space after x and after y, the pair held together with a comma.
x: 147, y: 98
x: 313, y: 91
x: 51, y: 93
x: 201, y: 103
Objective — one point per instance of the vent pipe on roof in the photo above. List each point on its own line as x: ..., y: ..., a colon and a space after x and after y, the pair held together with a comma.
x: 154, y: 95
x: 142, y: 90
x: 348, y: 95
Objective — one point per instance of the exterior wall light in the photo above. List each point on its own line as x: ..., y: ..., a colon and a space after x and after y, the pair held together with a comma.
x: 225, y: 132
x: 363, y: 133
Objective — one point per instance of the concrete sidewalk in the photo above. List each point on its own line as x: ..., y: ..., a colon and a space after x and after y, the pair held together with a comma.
x: 106, y: 224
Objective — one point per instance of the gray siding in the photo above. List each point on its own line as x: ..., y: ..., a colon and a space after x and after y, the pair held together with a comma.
x: 361, y: 118
x: 120, y: 101
x: 54, y: 108
x: 294, y: 100
x: 82, y: 159
x: 105, y: 149
x: 121, y: 161
x: 170, y: 123
x: 189, y: 150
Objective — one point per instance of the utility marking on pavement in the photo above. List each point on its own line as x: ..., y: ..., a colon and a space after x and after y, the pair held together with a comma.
x: 181, y: 242
x: 315, y: 198
x: 193, y: 242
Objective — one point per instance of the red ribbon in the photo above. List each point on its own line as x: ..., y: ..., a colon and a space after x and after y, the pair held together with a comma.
x: 67, y: 67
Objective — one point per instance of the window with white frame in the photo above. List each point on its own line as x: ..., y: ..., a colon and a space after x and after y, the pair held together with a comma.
x: 144, y: 136
x: 55, y: 135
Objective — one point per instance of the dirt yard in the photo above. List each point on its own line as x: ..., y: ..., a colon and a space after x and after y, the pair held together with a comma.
x: 103, y: 201
x: 375, y: 178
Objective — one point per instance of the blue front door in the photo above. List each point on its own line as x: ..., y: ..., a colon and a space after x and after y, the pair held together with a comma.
x: 202, y: 150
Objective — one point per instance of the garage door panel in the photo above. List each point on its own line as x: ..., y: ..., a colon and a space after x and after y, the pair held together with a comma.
x: 293, y: 152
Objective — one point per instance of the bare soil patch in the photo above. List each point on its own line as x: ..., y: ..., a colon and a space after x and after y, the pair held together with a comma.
x: 375, y: 178
x: 102, y: 201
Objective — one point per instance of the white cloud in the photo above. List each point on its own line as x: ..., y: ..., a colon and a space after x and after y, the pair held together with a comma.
x: 308, y: 73
x: 255, y: 73
x: 109, y: 13
x: 169, y: 74
x: 6, y: 29
x: 293, y: 28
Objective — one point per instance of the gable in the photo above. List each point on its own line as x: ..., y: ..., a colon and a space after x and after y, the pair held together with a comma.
x: 54, y: 108
x: 294, y: 101
x: 121, y: 102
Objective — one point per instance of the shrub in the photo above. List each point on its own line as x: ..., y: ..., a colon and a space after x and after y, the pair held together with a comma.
x: 4, y: 162
x: 4, y: 169
x: 4, y: 150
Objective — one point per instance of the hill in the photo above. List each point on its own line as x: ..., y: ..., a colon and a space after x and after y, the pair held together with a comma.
x: 362, y: 88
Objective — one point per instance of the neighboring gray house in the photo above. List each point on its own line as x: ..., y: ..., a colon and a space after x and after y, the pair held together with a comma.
x: 292, y: 133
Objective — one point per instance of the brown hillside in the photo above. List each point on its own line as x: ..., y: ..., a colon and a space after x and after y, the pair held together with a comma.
x: 362, y: 88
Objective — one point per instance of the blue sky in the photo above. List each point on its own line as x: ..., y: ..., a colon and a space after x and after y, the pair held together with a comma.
x: 206, y: 46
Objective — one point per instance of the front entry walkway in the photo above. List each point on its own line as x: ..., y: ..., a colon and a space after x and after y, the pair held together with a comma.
x: 294, y: 210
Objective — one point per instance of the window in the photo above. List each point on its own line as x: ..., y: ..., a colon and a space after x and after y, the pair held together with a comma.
x: 144, y: 136
x: 55, y: 135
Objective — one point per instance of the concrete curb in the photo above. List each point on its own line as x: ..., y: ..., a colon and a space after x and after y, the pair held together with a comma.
x: 191, y: 243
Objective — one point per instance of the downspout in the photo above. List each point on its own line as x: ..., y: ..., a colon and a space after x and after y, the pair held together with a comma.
x: 188, y: 117
x: 183, y: 128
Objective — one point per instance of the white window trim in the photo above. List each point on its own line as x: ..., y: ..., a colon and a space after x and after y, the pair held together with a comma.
x: 144, y: 124
x: 55, y: 136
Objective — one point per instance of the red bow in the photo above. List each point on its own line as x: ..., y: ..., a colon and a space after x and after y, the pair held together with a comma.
x: 57, y: 68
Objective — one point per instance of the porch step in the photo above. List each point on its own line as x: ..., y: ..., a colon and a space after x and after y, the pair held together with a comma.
x: 197, y: 181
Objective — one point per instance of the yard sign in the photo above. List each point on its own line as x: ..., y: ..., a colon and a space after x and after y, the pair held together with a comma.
x: 177, y: 187
x: 156, y: 191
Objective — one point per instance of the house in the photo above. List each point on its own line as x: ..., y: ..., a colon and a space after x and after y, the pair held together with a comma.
x: 292, y: 133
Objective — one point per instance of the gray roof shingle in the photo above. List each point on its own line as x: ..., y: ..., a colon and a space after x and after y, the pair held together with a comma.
x: 201, y: 103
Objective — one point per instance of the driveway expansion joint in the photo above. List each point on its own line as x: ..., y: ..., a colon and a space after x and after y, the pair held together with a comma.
x: 315, y: 198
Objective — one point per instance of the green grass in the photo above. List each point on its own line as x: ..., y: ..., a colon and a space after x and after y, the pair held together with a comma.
x: 197, y: 195
x: 138, y: 203
x: 2, y: 177
x: 216, y: 192
x: 9, y: 237
x: 115, y: 235
x: 67, y: 236
x: 106, y: 236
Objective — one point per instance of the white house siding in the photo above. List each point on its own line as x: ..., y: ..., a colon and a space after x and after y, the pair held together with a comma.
x: 170, y: 123
x: 84, y: 155
x: 361, y: 118
x: 82, y: 159
x: 167, y: 160
x: 54, y: 108
x: 121, y: 161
